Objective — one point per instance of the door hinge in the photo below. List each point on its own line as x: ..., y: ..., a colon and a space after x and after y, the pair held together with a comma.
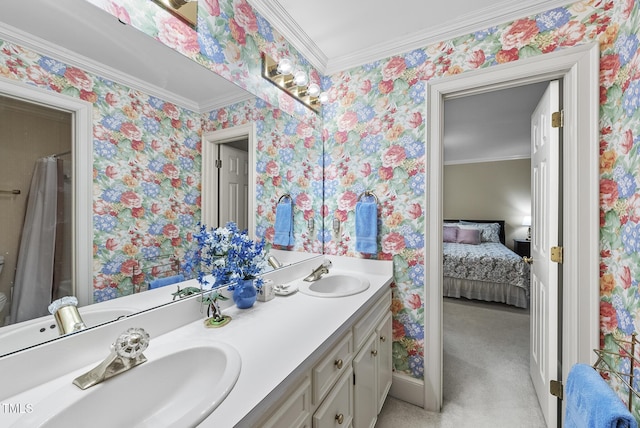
x: 556, y: 254
x: 557, y: 119
x: 218, y: 163
x: 556, y: 389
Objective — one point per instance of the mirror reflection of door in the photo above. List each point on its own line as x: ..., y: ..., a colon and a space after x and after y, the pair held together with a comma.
x: 35, y: 208
x: 233, y: 183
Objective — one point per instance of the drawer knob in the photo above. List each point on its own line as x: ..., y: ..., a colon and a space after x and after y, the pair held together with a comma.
x: 374, y: 352
x: 340, y: 418
x: 338, y: 363
x: 383, y: 338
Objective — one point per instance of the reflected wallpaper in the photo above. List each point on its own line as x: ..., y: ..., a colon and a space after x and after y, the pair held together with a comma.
x: 374, y: 130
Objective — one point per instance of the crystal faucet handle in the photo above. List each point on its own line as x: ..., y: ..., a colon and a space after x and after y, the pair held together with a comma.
x: 61, y: 303
x: 132, y: 343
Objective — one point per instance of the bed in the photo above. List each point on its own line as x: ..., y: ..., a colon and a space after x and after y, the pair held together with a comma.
x: 478, y: 266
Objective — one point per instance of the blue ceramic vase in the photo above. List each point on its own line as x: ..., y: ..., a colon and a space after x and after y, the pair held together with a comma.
x: 244, y: 293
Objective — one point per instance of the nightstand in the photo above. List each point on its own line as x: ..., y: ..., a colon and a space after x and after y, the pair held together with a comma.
x: 522, y: 247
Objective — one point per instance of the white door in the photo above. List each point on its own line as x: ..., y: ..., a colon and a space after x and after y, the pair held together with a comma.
x: 233, y: 186
x: 545, y: 161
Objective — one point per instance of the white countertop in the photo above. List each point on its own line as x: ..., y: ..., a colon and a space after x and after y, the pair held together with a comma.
x: 276, y: 338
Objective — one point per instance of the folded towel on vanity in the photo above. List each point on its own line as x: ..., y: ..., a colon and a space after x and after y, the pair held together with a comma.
x: 591, y: 403
x: 167, y: 280
x: 284, y: 224
x: 367, y: 227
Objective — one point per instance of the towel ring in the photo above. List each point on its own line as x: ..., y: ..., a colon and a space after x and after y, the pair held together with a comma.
x: 368, y: 193
x: 285, y: 196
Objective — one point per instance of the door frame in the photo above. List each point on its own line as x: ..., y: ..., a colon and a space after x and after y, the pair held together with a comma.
x: 579, y: 69
x: 210, y: 140
x: 82, y: 176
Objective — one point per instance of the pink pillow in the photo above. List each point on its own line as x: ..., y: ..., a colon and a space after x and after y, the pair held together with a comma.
x: 468, y: 236
x: 450, y: 233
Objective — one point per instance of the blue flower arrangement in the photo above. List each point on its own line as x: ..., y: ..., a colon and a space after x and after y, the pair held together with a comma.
x: 227, y: 254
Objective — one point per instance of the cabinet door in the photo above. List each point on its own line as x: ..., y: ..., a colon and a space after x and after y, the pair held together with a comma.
x: 385, y: 363
x: 365, y: 400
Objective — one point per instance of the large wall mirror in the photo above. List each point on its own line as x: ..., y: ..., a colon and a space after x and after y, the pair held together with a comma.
x: 143, y: 61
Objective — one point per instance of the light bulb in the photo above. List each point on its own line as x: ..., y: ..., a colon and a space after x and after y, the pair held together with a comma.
x: 300, y: 78
x: 285, y: 66
x: 324, y: 97
x: 313, y: 90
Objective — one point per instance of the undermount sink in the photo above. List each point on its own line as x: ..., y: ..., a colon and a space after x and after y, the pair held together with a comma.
x: 179, y: 385
x: 43, y: 329
x: 334, y: 285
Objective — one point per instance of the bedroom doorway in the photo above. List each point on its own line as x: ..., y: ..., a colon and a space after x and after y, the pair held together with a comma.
x: 486, y: 318
x: 578, y: 67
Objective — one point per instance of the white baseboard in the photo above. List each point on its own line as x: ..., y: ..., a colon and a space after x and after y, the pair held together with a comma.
x: 407, y: 389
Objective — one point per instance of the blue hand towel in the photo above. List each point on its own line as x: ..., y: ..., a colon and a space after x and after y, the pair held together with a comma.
x: 284, y: 224
x: 367, y: 227
x: 591, y: 403
x: 167, y: 280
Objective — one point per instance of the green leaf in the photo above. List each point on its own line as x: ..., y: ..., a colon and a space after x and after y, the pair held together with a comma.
x: 353, y: 137
x: 400, y: 174
x: 400, y: 85
x: 528, y: 52
x: 400, y: 263
x: 71, y: 91
x: 400, y: 357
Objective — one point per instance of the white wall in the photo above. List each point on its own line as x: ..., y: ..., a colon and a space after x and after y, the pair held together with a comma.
x: 27, y: 132
x: 498, y: 190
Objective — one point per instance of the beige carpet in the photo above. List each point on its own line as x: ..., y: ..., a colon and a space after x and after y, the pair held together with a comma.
x: 486, y: 372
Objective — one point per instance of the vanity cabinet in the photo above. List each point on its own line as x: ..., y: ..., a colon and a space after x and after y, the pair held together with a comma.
x: 384, y: 336
x: 372, y: 368
x: 348, y: 384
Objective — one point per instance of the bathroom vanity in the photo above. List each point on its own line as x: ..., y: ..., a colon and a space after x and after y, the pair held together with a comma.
x: 305, y: 360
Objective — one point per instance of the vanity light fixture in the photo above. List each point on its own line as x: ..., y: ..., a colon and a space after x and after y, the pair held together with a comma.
x: 314, y: 90
x: 300, y: 79
x: 185, y: 10
x: 295, y: 83
x: 285, y: 66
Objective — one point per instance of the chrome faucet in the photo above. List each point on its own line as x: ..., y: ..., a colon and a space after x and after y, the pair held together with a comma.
x: 317, y: 273
x: 126, y: 353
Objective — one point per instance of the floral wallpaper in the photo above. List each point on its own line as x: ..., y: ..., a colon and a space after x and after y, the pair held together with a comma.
x: 288, y: 161
x: 229, y: 38
x: 147, y: 163
x: 373, y: 130
x: 145, y: 170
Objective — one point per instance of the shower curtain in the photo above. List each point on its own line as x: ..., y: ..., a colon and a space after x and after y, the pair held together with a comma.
x: 34, y: 280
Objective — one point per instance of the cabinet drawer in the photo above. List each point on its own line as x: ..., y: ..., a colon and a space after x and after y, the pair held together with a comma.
x: 329, y: 369
x: 337, y: 409
x: 366, y: 325
x: 295, y: 411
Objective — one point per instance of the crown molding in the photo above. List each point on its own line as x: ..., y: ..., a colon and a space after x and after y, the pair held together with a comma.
x: 220, y: 102
x: 44, y: 47
x: 499, y: 13
x: 280, y: 19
